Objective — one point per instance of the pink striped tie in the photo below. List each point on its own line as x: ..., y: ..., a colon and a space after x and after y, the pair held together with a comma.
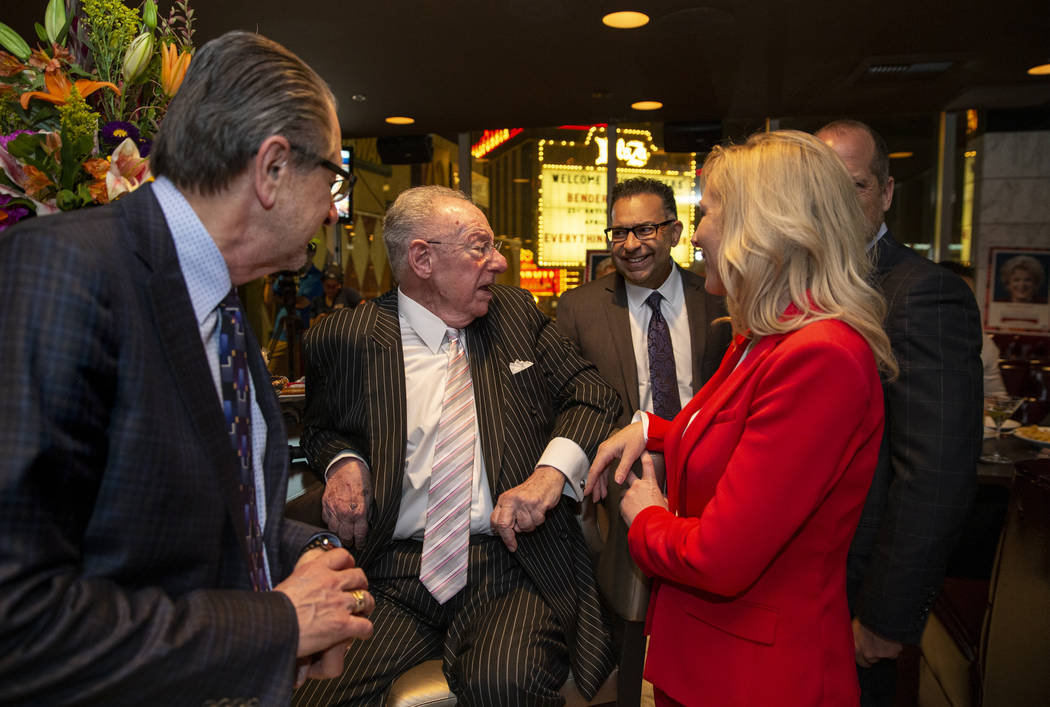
x: 443, y: 569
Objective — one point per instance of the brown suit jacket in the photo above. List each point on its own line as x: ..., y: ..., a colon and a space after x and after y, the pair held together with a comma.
x: 596, y: 319
x: 595, y: 315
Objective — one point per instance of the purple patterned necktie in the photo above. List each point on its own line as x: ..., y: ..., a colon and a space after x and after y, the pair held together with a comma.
x: 663, y: 379
x: 237, y: 406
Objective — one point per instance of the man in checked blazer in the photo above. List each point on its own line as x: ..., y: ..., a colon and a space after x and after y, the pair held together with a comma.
x: 124, y: 569
x: 375, y: 380
x: 927, y: 470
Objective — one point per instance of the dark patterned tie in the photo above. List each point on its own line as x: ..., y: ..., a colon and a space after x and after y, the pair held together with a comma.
x: 662, y: 375
x: 237, y: 406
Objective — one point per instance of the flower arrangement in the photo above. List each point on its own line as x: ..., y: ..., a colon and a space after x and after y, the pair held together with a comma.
x: 78, y: 113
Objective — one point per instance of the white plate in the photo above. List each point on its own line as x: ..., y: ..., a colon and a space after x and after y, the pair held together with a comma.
x: 1007, y: 425
x: 1019, y: 434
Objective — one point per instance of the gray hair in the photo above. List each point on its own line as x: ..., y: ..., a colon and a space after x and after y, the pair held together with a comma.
x: 411, y: 216
x: 880, y: 162
x: 241, y: 88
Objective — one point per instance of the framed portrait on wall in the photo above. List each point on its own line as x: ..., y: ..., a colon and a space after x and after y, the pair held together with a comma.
x: 1016, y: 296
x: 597, y: 260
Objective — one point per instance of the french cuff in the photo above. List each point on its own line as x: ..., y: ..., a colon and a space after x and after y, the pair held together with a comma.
x: 640, y: 416
x: 345, y: 454
x: 569, y: 458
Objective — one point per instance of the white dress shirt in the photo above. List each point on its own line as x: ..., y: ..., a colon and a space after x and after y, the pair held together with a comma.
x: 425, y: 348
x: 672, y: 306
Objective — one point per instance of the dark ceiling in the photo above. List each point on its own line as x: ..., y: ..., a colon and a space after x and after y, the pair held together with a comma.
x: 457, y: 65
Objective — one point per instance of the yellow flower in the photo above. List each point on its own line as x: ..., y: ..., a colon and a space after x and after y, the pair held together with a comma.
x: 173, y: 65
x: 59, y: 89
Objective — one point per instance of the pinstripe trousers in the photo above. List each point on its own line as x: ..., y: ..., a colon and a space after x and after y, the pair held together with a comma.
x: 499, y: 642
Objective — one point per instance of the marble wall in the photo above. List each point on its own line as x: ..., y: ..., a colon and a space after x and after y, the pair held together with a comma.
x: 1012, y: 195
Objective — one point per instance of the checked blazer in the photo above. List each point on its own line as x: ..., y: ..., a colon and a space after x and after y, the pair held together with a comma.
x: 927, y: 471
x: 356, y: 400
x: 122, y: 579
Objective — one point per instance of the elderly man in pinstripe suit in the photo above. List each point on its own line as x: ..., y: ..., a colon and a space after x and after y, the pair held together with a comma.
x: 511, y: 602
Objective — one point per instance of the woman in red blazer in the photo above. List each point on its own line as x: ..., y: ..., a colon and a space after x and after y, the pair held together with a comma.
x: 769, y: 464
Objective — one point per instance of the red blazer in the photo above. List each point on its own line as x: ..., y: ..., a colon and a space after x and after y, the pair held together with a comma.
x: 765, y: 490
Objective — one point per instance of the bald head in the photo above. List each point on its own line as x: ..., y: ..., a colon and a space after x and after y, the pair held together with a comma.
x: 864, y: 153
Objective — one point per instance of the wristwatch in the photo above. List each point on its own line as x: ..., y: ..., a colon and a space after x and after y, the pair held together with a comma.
x: 321, y: 541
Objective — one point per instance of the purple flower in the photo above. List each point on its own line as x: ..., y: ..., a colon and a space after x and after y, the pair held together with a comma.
x: 5, y: 139
x: 117, y: 131
x: 144, y: 146
x: 10, y: 215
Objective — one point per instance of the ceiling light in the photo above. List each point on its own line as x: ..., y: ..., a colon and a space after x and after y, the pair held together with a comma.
x: 400, y: 120
x: 900, y: 155
x: 359, y: 97
x: 628, y: 19
x: 647, y: 105
x: 1041, y: 70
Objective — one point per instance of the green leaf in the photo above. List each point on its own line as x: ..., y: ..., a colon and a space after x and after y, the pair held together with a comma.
x: 41, y: 32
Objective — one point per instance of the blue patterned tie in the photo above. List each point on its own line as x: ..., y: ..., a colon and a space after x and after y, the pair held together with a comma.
x: 663, y: 378
x: 237, y: 406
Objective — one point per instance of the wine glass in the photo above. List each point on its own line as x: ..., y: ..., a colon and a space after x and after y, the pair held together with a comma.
x: 999, y: 408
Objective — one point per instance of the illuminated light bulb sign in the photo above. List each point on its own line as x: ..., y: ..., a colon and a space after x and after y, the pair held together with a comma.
x: 572, y: 212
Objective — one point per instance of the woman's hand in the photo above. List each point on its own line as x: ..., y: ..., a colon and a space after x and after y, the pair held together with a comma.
x: 643, y: 492
x: 627, y: 444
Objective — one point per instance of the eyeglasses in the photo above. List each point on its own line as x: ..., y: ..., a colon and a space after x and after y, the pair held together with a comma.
x: 478, y: 251
x: 643, y: 231
x: 344, y: 181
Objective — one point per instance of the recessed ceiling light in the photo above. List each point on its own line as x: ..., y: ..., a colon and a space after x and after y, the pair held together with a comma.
x: 1041, y: 70
x: 900, y: 155
x: 628, y: 19
x: 647, y: 105
x: 400, y: 120
x: 359, y: 97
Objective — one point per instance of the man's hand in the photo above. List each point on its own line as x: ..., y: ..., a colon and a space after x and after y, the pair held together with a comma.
x: 869, y: 647
x: 643, y: 492
x: 325, y: 589
x: 627, y: 444
x: 523, y: 508
x: 347, y: 499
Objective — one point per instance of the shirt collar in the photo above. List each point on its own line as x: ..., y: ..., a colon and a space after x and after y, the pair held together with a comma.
x: 427, y: 325
x: 878, y: 236
x: 671, y: 290
x: 203, y: 269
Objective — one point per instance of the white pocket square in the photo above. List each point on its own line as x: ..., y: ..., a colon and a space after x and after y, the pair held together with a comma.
x: 519, y: 366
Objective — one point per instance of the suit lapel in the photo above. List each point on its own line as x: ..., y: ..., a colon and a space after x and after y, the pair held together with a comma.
x: 618, y: 321
x: 707, y: 404
x: 178, y: 329
x: 490, y: 375
x: 387, y: 417
x: 696, y: 310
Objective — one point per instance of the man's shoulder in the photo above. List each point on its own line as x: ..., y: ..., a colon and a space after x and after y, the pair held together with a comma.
x: 595, y: 290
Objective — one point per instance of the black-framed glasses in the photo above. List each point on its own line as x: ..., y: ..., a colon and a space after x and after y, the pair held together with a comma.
x: 344, y: 181
x: 642, y: 231
x: 479, y: 251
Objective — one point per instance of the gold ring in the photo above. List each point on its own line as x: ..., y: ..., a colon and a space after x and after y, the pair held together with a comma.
x: 359, y: 597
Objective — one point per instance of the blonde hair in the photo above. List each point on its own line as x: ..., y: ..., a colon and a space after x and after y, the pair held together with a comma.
x: 793, y: 232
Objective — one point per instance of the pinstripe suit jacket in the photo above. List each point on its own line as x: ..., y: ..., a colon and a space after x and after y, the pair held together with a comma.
x: 356, y: 400
x: 119, y: 523
x: 927, y: 471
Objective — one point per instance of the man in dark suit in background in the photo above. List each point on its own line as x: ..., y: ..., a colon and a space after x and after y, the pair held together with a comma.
x: 515, y: 602
x: 927, y: 471
x: 136, y: 518
x: 612, y: 324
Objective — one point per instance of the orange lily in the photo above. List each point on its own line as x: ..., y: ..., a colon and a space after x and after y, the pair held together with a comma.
x: 173, y: 65
x: 59, y: 89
